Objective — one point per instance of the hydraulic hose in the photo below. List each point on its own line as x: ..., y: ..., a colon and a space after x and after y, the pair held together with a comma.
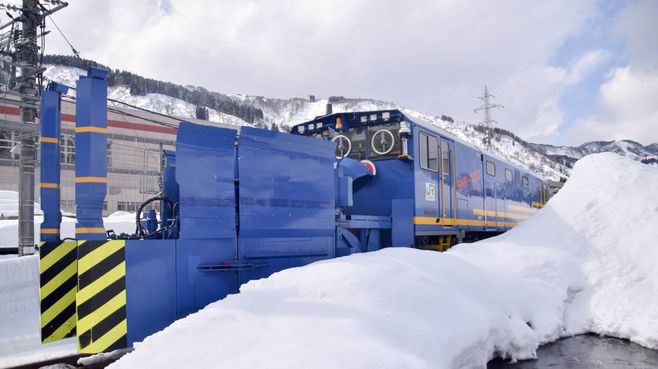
x: 139, y: 229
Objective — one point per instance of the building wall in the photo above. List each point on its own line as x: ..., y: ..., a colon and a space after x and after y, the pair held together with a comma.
x: 134, y: 146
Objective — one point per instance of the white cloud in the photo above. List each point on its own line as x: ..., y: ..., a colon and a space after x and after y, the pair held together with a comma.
x: 431, y: 55
x: 628, y: 99
x: 536, y: 106
x: 629, y: 109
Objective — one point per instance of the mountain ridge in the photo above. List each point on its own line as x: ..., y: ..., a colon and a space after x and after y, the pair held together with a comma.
x: 548, y: 161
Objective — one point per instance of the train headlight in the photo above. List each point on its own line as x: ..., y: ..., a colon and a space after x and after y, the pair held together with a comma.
x: 405, y: 129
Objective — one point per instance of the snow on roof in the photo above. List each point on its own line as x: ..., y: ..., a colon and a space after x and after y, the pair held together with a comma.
x: 584, y: 263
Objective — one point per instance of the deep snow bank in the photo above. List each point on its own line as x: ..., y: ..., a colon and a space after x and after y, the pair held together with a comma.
x: 596, y: 242
x: 586, y: 262
x: 19, y: 315
x: 19, y: 296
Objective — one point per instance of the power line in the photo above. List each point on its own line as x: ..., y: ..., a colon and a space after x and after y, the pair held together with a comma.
x: 73, y: 49
x: 311, y: 59
x: 122, y: 112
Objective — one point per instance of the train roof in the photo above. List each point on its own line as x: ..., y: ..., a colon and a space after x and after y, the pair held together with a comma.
x: 394, y: 115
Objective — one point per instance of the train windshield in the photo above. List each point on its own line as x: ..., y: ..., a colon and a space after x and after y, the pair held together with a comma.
x: 373, y: 142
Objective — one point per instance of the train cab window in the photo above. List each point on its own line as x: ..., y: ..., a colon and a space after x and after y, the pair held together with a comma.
x: 524, y: 181
x: 429, y: 152
x: 491, y: 168
x: 351, y: 144
x: 509, y: 176
x: 384, y: 141
x: 359, y: 143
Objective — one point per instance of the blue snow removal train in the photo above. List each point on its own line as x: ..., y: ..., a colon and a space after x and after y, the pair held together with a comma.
x: 238, y: 205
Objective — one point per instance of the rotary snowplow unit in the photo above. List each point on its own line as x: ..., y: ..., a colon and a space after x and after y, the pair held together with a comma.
x: 234, y: 207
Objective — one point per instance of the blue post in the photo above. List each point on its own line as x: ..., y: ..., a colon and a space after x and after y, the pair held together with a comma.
x: 50, y: 166
x: 91, y: 154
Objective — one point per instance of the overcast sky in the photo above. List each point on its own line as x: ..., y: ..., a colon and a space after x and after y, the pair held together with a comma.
x: 567, y: 71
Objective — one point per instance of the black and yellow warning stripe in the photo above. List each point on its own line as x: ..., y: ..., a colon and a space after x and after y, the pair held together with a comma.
x: 58, y: 284
x: 101, y: 298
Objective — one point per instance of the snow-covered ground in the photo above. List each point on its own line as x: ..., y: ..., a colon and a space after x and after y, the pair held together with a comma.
x: 585, y: 263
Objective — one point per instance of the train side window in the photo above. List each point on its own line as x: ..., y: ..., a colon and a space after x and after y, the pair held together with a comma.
x: 429, y: 152
x: 524, y: 181
x: 509, y: 176
x: 445, y: 157
x: 491, y: 168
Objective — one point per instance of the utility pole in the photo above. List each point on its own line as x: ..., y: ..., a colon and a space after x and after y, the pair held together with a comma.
x: 26, y: 60
x: 486, y: 107
x: 27, y: 56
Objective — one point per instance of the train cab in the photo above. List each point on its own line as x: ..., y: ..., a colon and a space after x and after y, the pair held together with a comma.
x: 435, y: 188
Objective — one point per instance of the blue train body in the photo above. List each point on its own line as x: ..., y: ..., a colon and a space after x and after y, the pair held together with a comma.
x: 238, y: 206
x: 256, y: 202
x: 447, y: 189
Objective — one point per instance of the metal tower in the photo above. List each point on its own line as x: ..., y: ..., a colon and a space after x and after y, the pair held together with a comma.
x: 486, y: 107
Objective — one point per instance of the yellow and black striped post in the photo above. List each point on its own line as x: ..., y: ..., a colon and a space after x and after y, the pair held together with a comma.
x: 58, y: 274
x: 101, y: 298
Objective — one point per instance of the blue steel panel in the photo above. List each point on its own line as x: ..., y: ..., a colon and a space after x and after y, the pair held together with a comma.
x: 373, y: 195
x: 50, y: 165
x: 287, y: 200
x: 205, y: 174
x: 402, y: 223
x: 91, y: 152
x: 150, y: 286
x: 469, y: 185
x: 170, y: 189
x: 195, y: 287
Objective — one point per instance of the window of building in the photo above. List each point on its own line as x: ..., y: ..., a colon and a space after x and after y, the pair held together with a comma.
x: 132, y: 206
x: 429, y: 152
x: 7, y: 142
x: 67, y: 149
x: 524, y: 181
x: 491, y: 168
x: 109, y: 154
x: 509, y: 175
x: 68, y: 205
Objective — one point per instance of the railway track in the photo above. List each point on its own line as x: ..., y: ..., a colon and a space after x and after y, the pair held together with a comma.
x: 68, y: 362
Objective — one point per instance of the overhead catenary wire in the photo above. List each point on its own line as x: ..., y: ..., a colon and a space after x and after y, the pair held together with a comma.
x: 73, y: 49
x: 392, y: 79
x: 317, y: 55
x: 170, y: 125
x: 123, y: 112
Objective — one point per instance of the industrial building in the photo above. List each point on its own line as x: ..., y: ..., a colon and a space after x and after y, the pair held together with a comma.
x: 133, y: 154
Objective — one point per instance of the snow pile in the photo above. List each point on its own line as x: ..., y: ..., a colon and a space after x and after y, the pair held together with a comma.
x: 596, y: 243
x: 120, y: 222
x: 20, y: 340
x: 20, y: 332
x: 586, y: 262
x: 9, y: 205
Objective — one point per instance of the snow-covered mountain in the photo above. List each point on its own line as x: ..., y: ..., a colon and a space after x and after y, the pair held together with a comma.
x: 550, y: 162
x: 568, y: 154
x: 287, y: 112
x: 155, y: 102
